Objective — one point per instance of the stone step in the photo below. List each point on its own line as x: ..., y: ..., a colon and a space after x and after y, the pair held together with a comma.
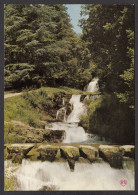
x: 71, y: 153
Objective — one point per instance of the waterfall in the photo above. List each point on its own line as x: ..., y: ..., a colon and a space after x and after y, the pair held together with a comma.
x: 78, y: 109
x: 38, y: 176
x: 74, y: 133
x: 54, y: 176
x: 93, y: 85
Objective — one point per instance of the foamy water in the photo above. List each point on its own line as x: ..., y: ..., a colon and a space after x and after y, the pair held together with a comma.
x: 78, y: 109
x: 93, y: 85
x: 57, y: 176
x: 36, y: 176
x: 74, y: 133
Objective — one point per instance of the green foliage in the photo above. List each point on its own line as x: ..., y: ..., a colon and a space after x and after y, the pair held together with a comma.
x: 42, y: 49
x: 109, y: 118
x: 109, y: 34
x: 84, y: 121
x: 18, y: 75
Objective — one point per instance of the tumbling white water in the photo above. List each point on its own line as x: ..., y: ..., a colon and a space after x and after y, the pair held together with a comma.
x: 44, y: 176
x: 96, y: 176
x: 93, y: 85
x: 74, y: 133
x: 78, y: 109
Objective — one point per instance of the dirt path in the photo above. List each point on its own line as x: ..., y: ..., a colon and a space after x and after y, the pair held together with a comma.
x: 11, y: 95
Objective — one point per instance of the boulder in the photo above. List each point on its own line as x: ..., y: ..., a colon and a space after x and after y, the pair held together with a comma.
x: 70, y: 152
x: 68, y: 108
x: 17, y: 158
x: 19, y: 148
x: 89, y: 152
x: 48, y: 152
x: 128, y: 151
x: 61, y: 114
x: 54, y: 136
x: 17, y: 152
x: 45, y: 135
x: 112, y: 155
x: 33, y: 154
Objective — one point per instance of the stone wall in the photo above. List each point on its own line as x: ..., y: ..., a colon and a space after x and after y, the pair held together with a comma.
x: 86, y: 153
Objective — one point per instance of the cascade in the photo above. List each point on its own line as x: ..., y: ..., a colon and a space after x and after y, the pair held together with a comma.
x: 75, y: 133
x: 44, y: 176
x: 38, y: 176
x: 93, y: 85
x: 78, y: 109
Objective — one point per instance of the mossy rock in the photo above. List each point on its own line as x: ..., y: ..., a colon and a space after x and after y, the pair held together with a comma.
x: 17, y: 158
x: 19, y: 148
x: 128, y: 151
x: 112, y: 155
x: 48, y: 152
x: 33, y: 154
x: 70, y: 152
x: 89, y: 152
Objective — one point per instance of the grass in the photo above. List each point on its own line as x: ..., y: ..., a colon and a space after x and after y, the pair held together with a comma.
x: 31, y: 108
x: 17, y: 108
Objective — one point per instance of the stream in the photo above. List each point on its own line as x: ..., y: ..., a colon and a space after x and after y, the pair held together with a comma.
x: 48, y: 176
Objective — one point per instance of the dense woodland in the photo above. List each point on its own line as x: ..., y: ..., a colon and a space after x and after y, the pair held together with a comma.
x: 41, y: 49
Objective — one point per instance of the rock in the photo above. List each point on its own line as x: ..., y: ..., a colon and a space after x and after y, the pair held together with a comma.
x: 49, y: 152
x: 41, y: 135
x: 71, y: 163
x: 54, y: 136
x: 112, y: 155
x: 89, y: 152
x: 83, y: 160
x: 82, y: 97
x: 17, y: 152
x: 128, y: 151
x: 70, y: 152
x: 61, y: 114
x: 19, y: 148
x: 17, y: 158
x: 33, y: 154
x: 68, y: 108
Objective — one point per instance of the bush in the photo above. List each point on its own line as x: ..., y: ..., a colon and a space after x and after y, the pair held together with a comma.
x: 84, y: 121
x: 109, y: 118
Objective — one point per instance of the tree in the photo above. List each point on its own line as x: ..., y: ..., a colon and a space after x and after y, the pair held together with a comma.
x: 109, y: 33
